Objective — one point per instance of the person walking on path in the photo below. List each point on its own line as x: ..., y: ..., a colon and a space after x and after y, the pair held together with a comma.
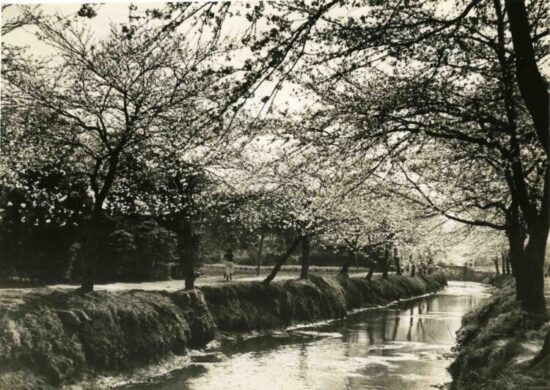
x: 229, y: 265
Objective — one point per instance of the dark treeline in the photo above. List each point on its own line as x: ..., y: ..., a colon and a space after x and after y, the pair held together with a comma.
x: 45, y: 236
x: 142, y: 248
x: 39, y: 246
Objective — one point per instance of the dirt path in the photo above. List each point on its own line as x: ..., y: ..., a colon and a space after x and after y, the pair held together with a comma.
x: 172, y: 285
x: 207, y: 279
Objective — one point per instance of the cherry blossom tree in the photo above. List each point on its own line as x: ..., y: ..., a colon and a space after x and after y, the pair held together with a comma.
x: 107, y: 100
x: 466, y: 75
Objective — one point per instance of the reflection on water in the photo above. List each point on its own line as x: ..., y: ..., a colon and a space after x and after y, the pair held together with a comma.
x: 402, y: 347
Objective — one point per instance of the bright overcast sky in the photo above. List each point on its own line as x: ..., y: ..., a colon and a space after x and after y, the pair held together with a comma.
x: 107, y: 14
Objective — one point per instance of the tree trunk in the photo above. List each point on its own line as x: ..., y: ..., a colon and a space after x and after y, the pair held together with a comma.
x: 187, y: 244
x: 397, y: 261
x: 282, y: 260
x: 531, y: 275
x: 187, y: 264
x: 413, y: 270
x: 371, y: 271
x: 304, y: 274
x: 189, y: 275
x: 345, y: 267
x: 532, y: 84
x: 532, y: 287
x: 385, y: 264
x: 260, y: 249
x: 516, y: 237
x: 503, y: 262
x: 88, y: 266
x: 88, y: 263
x: 90, y: 248
x: 100, y: 194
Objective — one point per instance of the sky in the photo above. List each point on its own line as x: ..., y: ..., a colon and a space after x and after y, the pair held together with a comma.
x: 115, y: 14
x: 107, y: 14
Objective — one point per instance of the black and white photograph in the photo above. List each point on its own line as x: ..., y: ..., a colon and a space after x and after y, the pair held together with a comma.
x: 275, y: 195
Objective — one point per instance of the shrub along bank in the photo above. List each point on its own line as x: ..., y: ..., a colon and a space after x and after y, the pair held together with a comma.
x: 256, y: 306
x: 500, y: 347
x: 51, y: 338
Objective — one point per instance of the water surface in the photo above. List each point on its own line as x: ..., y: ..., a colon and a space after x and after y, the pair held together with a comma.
x: 406, y: 346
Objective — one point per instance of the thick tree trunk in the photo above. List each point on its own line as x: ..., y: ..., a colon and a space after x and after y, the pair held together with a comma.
x: 100, y: 194
x: 531, y: 276
x: 187, y: 262
x: 260, y: 249
x: 88, y: 266
x: 189, y: 274
x: 345, y: 267
x: 190, y: 277
x: 88, y: 263
x: 531, y: 280
x: 90, y: 254
x: 282, y: 260
x: 304, y: 274
x: 532, y: 84
x: 187, y: 245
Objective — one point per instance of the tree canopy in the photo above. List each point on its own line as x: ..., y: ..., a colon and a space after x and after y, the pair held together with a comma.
x: 408, y: 114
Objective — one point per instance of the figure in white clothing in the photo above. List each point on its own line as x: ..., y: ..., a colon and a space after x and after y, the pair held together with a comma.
x: 229, y: 265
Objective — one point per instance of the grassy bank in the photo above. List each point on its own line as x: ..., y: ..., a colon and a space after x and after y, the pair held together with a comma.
x: 255, y: 306
x: 499, y: 348
x: 51, y: 338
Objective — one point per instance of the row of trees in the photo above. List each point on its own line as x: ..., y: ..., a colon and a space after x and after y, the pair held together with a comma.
x: 321, y: 200
x: 143, y: 123
x: 456, y: 91
x: 43, y: 240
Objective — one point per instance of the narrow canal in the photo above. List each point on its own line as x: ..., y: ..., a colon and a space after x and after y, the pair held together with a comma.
x: 406, y: 346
